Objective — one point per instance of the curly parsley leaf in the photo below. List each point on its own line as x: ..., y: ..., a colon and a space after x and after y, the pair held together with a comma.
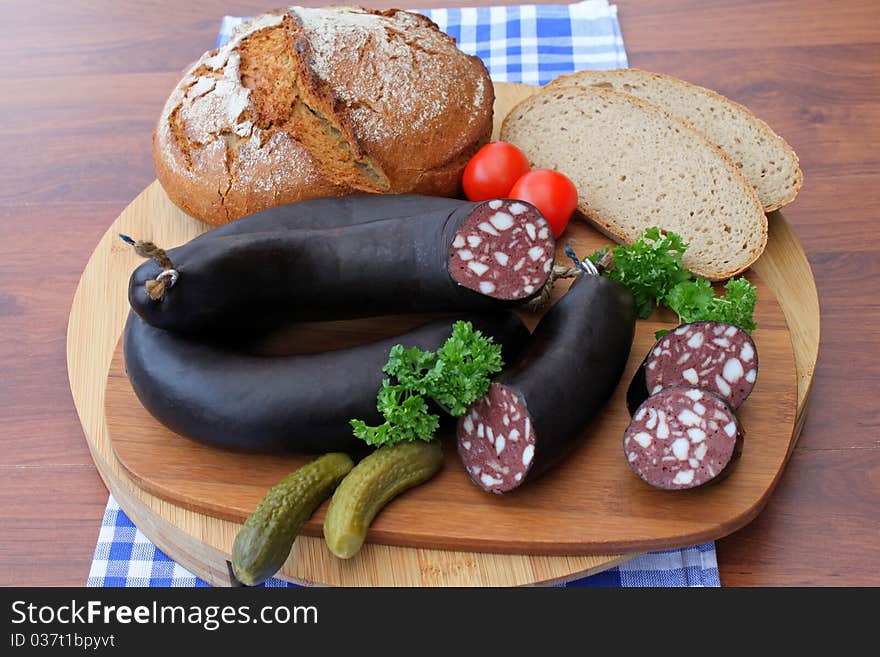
x: 690, y: 299
x: 454, y: 377
x: 653, y: 270
x: 650, y: 267
x: 737, y: 306
x: 406, y: 417
x: 461, y: 374
x: 695, y: 301
x: 409, y: 366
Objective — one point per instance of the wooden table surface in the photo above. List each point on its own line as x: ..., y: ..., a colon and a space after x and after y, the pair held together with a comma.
x: 84, y: 83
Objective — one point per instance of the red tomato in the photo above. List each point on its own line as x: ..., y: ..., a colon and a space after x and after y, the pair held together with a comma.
x: 551, y: 192
x: 492, y: 171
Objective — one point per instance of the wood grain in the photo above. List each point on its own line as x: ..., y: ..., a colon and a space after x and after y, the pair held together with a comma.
x: 814, y: 79
x: 449, y: 512
x: 32, y: 542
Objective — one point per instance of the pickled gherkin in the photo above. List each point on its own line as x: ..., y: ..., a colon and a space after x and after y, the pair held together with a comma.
x: 374, y: 482
x: 264, y: 541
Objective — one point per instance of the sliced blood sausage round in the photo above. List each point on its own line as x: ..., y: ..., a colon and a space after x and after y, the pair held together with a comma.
x: 682, y: 438
x: 538, y: 408
x: 503, y: 249
x: 496, y: 440
x: 713, y: 356
x: 470, y: 257
x: 232, y: 399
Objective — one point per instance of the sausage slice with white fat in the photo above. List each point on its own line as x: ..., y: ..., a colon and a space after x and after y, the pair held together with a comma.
x: 504, y: 249
x: 682, y: 438
x: 714, y: 356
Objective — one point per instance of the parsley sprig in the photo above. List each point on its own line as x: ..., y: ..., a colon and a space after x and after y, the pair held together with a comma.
x: 695, y: 301
x: 454, y: 376
x: 653, y: 270
x: 650, y: 267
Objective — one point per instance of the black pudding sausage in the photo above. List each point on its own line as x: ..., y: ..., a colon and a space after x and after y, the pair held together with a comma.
x: 538, y: 408
x: 334, y: 212
x: 270, y: 404
x: 475, y: 257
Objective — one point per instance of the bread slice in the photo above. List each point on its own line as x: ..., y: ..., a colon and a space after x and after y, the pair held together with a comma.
x: 767, y: 161
x: 636, y: 166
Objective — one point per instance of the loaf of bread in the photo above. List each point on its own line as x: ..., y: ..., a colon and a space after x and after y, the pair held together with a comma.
x: 304, y: 103
x: 766, y: 160
x: 637, y: 166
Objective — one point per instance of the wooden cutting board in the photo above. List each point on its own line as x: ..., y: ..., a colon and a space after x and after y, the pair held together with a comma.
x: 590, y: 503
x: 182, y: 499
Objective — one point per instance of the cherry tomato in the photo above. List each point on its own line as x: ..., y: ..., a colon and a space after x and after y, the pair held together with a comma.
x: 551, y: 192
x: 492, y: 171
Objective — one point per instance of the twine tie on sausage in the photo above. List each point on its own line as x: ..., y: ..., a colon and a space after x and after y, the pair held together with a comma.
x: 585, y: 266
x: 166, y: 279
x: 558, y: 272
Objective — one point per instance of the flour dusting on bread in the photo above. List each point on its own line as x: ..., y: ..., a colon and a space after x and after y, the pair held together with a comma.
x: 303, y: 103
x: 360, y: 54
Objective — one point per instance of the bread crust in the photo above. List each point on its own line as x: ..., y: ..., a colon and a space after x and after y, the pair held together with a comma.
x: 304, y: 103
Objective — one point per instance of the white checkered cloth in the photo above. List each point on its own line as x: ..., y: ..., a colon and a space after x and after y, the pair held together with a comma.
x: 527, y: 43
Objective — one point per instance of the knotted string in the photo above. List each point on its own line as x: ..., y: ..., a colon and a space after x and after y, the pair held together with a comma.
x: 166, y: 278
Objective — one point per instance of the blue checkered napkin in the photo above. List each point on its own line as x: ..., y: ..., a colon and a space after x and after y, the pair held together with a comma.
x: 526, y: 43
x: 125, y: 557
